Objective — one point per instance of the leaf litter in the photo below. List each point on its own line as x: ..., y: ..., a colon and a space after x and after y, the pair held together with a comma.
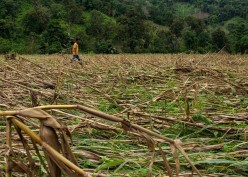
x: 124, y: 115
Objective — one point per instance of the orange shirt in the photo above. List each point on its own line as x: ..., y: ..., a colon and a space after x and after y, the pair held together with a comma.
x: 75, y: 49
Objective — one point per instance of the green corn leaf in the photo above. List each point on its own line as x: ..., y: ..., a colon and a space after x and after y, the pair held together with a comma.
x: 109, y: 164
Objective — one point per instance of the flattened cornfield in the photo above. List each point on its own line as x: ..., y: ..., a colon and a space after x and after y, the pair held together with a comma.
x: 124, y: 115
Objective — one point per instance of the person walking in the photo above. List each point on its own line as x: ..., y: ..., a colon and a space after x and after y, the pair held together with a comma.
x: 75, y: 51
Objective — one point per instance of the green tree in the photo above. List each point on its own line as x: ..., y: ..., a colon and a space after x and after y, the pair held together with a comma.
x: 73, y: 11
x: 7, y: 28
x: 102, y: 29
x: 100, y: 26
x: 105, y: 47
x: 219, y: 39
x: 195, y: 24
x: 5, y: 45
x: 237, y: 31
x: 58, y: 11
x: 36, y: 20
x: 204, y: 42
x: 132, y: 30
x: 244, y: 45
x: 9, y: 9
x: 164, y: 42
x: 190, y: 40
x: 177, y: 27
x: 54, y: 38
x: 162, y: 16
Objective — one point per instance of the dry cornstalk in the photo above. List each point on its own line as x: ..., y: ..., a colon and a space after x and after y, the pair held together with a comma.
x: 48, y: 148
x: 96, y: 113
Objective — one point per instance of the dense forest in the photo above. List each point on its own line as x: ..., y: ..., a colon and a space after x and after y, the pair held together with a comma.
x: 124, y: 26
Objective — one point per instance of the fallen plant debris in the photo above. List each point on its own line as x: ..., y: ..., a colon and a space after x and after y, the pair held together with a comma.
x: 160, y: 115
x: 51, y: 146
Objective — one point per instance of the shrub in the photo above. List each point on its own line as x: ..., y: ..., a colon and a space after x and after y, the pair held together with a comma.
x: 5, y: 46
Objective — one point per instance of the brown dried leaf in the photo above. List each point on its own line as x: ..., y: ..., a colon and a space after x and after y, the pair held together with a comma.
x: 43, y: 116
x: 34, y: 113
x: 49, y: 136
x: 66, y: 149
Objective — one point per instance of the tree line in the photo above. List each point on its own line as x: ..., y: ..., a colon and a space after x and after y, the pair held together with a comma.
x: 131, y: 26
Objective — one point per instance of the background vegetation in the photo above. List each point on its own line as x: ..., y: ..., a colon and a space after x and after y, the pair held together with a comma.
x: 131, y: 26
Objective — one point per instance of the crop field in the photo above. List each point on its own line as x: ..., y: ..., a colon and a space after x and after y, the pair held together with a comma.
x: 124, y: 115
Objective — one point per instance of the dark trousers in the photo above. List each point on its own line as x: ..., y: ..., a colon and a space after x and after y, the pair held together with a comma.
x: 75, y: 56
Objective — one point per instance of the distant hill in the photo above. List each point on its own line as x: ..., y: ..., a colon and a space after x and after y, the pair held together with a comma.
x: 133, y: 26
